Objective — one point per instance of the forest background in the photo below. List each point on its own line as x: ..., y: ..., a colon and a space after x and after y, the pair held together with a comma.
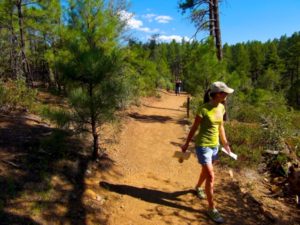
x: 80, y: 51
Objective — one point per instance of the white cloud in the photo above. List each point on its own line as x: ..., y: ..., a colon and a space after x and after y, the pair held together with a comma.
x: 148, y: 30
x: 124, y: 15
x: 129, y: 19
x: 134, y: 23
x: 169, y: 38
x: 149, y: 17
x: 163, y: 19
x: 158, y: 18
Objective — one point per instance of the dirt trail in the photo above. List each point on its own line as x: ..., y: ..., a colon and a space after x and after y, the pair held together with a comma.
x: 147, y: 185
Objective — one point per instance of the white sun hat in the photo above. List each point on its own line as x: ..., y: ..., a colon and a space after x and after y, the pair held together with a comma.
x: 220, y: 86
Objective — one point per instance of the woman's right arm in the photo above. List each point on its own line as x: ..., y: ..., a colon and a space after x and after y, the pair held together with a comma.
x: 195, y: 126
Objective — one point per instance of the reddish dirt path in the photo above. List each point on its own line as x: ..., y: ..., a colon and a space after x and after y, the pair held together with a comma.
x: 147, y: 185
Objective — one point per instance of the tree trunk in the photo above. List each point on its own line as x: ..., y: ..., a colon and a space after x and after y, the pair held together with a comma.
x: 211, y: 19
x: 13, y: 53
x: 297, y: 68
x: 217, y: 29
x: 95, y: 140
x: 297, y: 98
x: 95, y: 154
x: 25, y: 65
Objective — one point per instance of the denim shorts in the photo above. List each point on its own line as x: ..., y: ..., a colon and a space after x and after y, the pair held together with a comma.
x: 206, y: 155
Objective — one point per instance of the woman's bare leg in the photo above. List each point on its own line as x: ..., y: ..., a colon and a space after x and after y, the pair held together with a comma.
x: 202, y: 178
x: 209, y: 184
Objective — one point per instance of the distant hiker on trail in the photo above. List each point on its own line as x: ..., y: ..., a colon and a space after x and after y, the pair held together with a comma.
x: 210, y: 118
x: 177, y: 86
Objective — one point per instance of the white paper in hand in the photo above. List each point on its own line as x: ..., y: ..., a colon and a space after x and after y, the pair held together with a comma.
x: 234, y: 156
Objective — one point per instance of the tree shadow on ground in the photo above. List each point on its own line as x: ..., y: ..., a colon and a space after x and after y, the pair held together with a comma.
x: 153, y: 107
x: 150, y: 118
x: 31, y: 155
x: 172, y: 92
x: 169, y: 199
x: 243, y: 208
x: 176, y: 143
x: 10, y: 218
x: 183, y: 122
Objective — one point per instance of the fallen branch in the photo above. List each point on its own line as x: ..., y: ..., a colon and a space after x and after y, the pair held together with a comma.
x: 33, y: 118
x: 11, y: 163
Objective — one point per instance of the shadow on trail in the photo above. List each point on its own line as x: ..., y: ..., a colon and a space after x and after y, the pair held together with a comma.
x: 153, y: 107
x: 242, y: 208
x: 183, y: 122
x: 10, y: 218
x: 172, y: 93
x: 150, y: 118
x: 181, y: 142
x: 156, y: 119
x: 37, y: 164
x: 176, y: 143
x: 150, y: 195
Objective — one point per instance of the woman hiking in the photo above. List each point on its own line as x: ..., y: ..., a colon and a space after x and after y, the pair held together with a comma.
x: 209, y: 119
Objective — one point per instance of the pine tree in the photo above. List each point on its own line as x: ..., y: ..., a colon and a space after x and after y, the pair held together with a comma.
x: 256, y: 55
x: 91, y: 62
x: 205, y: 15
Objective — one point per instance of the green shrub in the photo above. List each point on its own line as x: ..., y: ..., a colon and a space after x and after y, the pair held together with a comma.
x: 169, y: 86
x: 55, y: 144
x: 277, y: 127
x: 60, y: 117
x: 14, y: 93
x: 3, y: 94
x: 254, y: 106
x: 164, y: 83
x: 295, y: 116
x: 195, y: 102
x: 294, y: 144
x: 245, y: 113
x: 246, y: 141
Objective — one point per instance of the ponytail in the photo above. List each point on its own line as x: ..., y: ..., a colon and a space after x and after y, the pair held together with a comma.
x: 206, y: 96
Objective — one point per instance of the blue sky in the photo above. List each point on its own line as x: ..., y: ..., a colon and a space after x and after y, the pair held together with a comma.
x: 241, y: 20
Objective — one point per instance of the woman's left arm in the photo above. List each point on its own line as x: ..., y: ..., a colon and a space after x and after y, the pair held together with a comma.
x: 223, y: 137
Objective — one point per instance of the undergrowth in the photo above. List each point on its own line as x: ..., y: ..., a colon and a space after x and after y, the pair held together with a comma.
x: 15, y: 94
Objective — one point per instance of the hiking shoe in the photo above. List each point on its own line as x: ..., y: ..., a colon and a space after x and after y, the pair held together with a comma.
x: 200, y: 193
x: 215, y: 216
